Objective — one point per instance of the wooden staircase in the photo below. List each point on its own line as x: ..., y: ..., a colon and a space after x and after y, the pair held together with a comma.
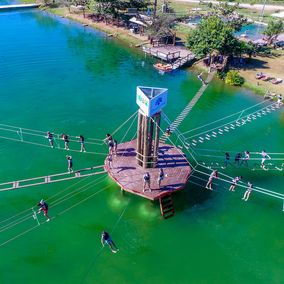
x: 167, y: 206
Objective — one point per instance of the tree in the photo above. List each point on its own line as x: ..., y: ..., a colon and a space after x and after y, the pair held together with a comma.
x: 273, y: 29
x: 233, y: 78
x: 210, y: 35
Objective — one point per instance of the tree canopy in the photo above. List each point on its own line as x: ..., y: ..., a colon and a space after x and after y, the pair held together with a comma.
x: 212, y: 34
x: 273, y: 29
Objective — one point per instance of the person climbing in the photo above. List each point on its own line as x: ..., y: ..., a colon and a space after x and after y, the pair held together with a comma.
x: 213, y: 175
x: 161, y: 176
x: 49, y: 136
x: 246, y: 158
x: 264, y: 156
x: 43, y: 208
x: 234, y: 183
x: 70, y: 163
x: 147, y: 181
x: 106, y: 240
x: 248, y: 192
x: 82, y: 143
x: 65, y: 138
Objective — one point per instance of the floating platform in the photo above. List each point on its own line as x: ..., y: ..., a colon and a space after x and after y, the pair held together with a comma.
x: 126, y: 172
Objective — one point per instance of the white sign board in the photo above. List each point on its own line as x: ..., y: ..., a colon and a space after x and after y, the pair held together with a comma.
x: 151, y: 100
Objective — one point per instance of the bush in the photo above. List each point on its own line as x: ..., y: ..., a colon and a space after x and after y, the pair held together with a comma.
x: 234, y: 79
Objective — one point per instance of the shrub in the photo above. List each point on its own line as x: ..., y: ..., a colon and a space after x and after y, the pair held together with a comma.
x: 234, y: 79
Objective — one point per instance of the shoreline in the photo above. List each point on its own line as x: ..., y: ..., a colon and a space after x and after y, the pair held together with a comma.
x: 135, y: 41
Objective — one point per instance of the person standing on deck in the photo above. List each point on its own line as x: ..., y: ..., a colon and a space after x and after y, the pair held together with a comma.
x: 161, y: 177
x: 82, y: 143
x: 234, y: 183
x: 109, y: 160
x: 114, y: 147
x: 65, y: 138
x: 49, y: 136
x: 248, y: 192
x: 213, y: 175
x: 146, y: 181
x: 43, y: 208
x: 70, y: 164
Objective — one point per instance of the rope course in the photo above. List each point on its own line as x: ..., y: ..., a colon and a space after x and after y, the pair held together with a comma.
x: 227, y: 126
x: 174, y: 125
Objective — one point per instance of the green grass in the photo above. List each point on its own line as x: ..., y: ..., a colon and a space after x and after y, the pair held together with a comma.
x: 256, y: 89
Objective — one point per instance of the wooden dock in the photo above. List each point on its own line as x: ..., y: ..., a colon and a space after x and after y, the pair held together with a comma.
x: 18, y: 6
x: 126, y: 172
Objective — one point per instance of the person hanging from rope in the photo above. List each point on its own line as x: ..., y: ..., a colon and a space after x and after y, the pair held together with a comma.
x: 234, y: 183
x: 168, y: 131
x: 213, y: 175
x: 146, y: 181
x: 70, y: 163
x: 264, y: 156
x: 82, y: 143
x: 50, y: 138
x: 65, y: 138
x: 246, y: 158
x: 248, y: 192
x: 238, y: 158
x: 106, y: 240
x: 161, y: 176
x: 227, y: 160
x: 43, y: 208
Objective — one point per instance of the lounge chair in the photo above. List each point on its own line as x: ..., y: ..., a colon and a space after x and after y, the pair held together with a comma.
x: 276, y: 81
x: 259, y: 75
x: 266, y: 78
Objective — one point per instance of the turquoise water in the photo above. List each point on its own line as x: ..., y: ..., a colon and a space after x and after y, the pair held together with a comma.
x: 253, y: 31
x: 56, y: 75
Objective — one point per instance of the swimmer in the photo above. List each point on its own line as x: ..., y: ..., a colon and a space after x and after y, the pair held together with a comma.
x: 248, y: 192
x: 70, y: 163
x: 82, y: 142
x: 161, y: 176
x: 213, y: 175
x: 264, y: 156
x: 43, y: 207
x: 146, y: 182
x: 65, y: 138
x: 246, y: 158
x: 234, y: 183
x: 106, y: 240
x: 49, y: 136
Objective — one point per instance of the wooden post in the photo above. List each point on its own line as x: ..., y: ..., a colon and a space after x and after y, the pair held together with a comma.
x: 156, y: 141
x: 139, y: 137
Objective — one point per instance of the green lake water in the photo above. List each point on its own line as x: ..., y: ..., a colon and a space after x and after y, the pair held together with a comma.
x: 56, y: 75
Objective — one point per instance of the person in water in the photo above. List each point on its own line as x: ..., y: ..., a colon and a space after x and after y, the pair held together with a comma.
x: 106, y: 240
x: 43, y: 207
x: 49, y: 136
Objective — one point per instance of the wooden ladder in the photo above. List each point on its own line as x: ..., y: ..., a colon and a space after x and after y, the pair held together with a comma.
x: 167, y: 206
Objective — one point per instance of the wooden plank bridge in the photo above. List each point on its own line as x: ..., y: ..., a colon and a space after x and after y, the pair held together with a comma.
x: 18, y: 6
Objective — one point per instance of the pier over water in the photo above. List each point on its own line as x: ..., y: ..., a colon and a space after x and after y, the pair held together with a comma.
x: 18, y: 6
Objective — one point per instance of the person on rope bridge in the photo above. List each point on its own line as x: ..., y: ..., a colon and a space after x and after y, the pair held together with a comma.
x: 246, y: 158
x: 49, y: 136
x: 248, y: 192
x: 82, y: 143
x: 65, y: 138
x: 199, y: 76
x: 43, y: 208
x: 108, y: 138
x: 227, y: 160
x: 264, y: 156
x: 70, y: 163
x: 213, y: 175
x: 234, y: 183
x: 106, y: 240
x: 238, y: 158
x: 146, y: 181
x: 168, y: 131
